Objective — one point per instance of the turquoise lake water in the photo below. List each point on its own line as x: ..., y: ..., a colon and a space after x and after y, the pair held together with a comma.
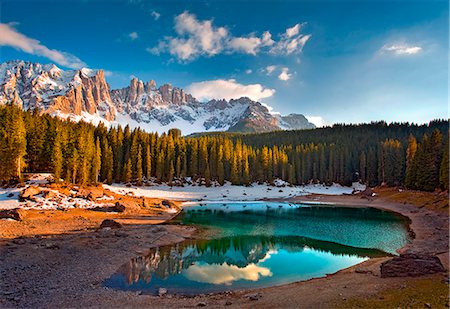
x: 259, y: 244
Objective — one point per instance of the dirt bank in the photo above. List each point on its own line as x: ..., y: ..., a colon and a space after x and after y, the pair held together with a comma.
x: 67, y: 270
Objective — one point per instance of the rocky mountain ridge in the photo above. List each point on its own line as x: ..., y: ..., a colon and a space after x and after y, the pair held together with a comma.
x: 85, y: 95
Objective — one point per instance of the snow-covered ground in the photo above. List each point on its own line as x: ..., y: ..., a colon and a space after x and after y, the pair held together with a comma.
x: 9, y: 198
x: 229, y: 192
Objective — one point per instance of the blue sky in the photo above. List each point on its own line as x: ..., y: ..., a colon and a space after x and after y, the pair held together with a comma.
x: 334, y: 61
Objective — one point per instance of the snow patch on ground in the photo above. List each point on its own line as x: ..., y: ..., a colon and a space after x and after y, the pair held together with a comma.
x: 228, y: 192
x: 9, y: 198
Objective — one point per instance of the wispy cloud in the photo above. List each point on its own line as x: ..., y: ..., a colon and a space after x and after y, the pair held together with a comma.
x: 270, y: 69
x: 133, y: 36
x: 284, y: 75
x: 228, y: 89
x: 155, y: 15
x: 11, y: 37
x: 401, y: 49
x: 248, y: 71
x: 195, y: 38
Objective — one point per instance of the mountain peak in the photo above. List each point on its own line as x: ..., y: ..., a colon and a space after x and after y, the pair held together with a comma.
x: 84, y: 95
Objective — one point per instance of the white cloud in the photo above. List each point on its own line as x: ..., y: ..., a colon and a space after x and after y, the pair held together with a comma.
x: 228, y: 89
x: 10, y: 37
x: 225, y: 273
x: 290, y: 32
x: 195, y: 38
x: 267, y: 39
x: 249, y: 45
x: 248, y: 71
x: 317, y: 120
x: 270, y: 69
x: 401, y: 49
x: 291, y: 42
x: 284, y: 75
x: 133, y: 35
x: 155, y: 15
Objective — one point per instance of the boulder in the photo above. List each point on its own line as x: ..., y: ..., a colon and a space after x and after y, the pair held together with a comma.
x: 411, y: 265
x: 14, y: 214
x: 29, y: 192
x: 162, y: 292
x: 108, y: 223
x: 118, y: 207
x: 367, y: 193
x: 91, y: 193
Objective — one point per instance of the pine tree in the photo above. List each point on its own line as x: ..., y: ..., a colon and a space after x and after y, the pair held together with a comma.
x: 444, y: 168
x: 96, y: 164
x: 57, y: 159
x: 139, y: 166
x: 234, y: 171
x: 410, y: 168
x: 108, y: 163
x: 148, y: 162
x: 12, y: 144
x: 127, y: 172
x: 362, y: 166
x: 207, y: 176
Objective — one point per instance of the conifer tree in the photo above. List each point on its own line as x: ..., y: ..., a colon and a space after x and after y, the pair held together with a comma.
x: 57, y: 159
x: 410, y: 169
x: 444, y: 168
x: 139, y: 166
x: 12, y: 144
x: 96, y: 164
x: 148, y: 162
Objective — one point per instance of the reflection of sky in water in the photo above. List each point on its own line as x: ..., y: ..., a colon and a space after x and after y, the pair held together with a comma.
x: 262, y: 247
x: 224, y: 273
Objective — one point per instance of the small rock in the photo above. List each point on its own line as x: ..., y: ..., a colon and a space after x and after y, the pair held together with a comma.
x: 10, y: 195
x: 19, y: 241
x: 162, y: 292
x: 228, y: 303
x: 360, y: 270
x: 201, y: 304
x: 118, y: 207
x: 428, y: 305
x: 121, y: 234
x: 255, y: 296
x: 108, y: 223
x: 51, y: 246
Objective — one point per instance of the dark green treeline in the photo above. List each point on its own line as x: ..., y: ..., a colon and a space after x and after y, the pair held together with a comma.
x: 396, y: 154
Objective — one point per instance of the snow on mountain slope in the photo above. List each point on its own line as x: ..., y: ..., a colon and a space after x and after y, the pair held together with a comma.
x: 85, y: 95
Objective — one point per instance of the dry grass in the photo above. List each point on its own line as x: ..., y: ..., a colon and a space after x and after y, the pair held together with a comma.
x: 429, y: 292
x: 437, y: 201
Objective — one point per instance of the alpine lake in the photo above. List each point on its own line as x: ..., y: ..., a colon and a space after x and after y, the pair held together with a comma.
x: 261, y: 244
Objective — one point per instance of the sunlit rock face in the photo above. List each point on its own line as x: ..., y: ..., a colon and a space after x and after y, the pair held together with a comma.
x: 84, y: 95
x: 52, y: 90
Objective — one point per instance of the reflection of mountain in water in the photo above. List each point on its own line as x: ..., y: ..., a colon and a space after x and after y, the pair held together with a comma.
x: 239, y: 251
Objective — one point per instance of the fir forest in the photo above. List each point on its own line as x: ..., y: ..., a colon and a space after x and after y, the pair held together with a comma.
x: 377, y: 153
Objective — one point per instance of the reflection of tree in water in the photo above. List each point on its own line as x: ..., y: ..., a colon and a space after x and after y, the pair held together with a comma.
x: 239, y: 251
